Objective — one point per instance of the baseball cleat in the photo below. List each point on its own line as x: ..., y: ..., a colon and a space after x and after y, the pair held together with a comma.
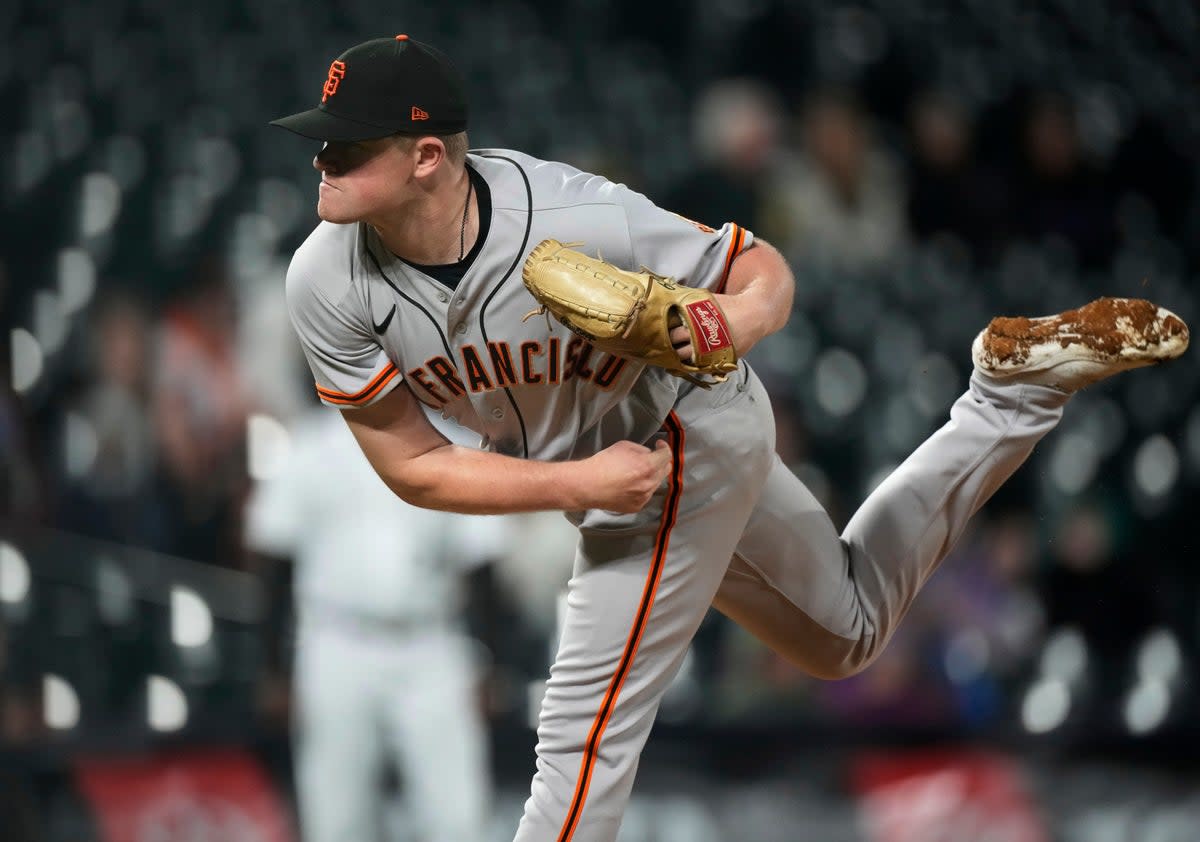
x: 1079, y: 347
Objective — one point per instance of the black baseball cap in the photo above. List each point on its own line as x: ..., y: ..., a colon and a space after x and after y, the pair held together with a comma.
x: 385, y: 86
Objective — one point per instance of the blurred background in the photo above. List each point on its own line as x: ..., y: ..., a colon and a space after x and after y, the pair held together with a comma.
x: 925, y: 166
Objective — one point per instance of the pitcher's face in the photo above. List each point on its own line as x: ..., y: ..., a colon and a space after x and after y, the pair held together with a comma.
x: 362, y: 179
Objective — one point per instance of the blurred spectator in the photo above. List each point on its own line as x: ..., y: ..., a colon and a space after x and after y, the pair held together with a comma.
x: 20, y: 486
x: 736, y: 126
x: 384, y: 672
x: 20, y: 703
x: 969, y: 634
x: 201, y: 407
x: 1156, y: 182
x: 987, y: 613
x: 17, y: 811
x: 1094, y: 588
x: 999, y: 594
x: 749, y: 683
x: 109, y: 444
x: 844, y: 198
x: 1061, y: 194
x: 902, y: 689
x: 951, y: 191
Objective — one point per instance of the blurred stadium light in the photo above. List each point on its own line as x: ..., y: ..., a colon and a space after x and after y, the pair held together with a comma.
x: 191, y: 619
x: 28, y: 361
x: 114, y: 592
x: 14, y: 575
x: 76, y: 279
x: 99, y: 204
x: 50, y: 322
x: 1065, y: 656
x: 1046, y: 705
x: 1160, y: 657
x: 1155, y: 472
x: 1146, y: 706
x: 166, y: 706
x: 60, y: 703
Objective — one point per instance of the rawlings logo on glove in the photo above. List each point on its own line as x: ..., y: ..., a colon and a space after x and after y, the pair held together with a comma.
x: 631, y: 314
x: 713, y: 334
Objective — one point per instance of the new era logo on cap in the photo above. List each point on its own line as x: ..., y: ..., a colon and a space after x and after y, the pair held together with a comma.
x: 370, y: 90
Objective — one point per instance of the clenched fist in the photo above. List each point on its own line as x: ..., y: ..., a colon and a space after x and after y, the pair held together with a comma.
x: 623, y: 477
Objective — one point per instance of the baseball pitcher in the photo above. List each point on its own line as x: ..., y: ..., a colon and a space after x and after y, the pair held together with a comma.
x: 594, y: 341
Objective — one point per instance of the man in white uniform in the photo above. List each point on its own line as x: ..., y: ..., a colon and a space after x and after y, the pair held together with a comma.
x: 409, y: 292
x: 383, y: 670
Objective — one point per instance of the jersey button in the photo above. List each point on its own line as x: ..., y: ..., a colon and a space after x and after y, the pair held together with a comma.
x: 497, y: 413
x: 442, y: 297
x: 461, y: 329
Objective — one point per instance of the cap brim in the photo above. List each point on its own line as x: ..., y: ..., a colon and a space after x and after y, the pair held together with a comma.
x: 319, y: 124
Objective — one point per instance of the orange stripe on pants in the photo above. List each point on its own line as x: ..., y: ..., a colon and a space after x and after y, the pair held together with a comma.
x: 662, y: 541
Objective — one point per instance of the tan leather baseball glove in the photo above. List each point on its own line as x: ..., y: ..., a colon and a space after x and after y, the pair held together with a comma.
x: 631, y: 314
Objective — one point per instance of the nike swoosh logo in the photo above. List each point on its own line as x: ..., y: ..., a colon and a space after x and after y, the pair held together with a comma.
x: 387, y: 320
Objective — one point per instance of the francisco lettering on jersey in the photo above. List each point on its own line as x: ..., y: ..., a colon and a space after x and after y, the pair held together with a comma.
x: 502, y: 364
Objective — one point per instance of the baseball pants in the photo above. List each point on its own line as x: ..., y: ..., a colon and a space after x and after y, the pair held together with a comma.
x: 735, y: 529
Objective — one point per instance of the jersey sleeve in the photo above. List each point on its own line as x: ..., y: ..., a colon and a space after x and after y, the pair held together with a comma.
x: 349, y: 366
x: 678, y: 247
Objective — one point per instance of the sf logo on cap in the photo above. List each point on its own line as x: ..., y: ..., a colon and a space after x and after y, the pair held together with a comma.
x: 336, y: 71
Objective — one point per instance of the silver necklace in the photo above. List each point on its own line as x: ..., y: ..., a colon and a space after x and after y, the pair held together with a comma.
x: 462, y: 231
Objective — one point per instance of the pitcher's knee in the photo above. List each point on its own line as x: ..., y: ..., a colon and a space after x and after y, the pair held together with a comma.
x: 837, y: 658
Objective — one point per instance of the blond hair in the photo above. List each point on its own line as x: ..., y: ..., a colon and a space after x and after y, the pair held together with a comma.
x: 456, y: 145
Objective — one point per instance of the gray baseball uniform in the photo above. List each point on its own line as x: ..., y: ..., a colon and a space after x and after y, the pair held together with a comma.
x: 643, y: 582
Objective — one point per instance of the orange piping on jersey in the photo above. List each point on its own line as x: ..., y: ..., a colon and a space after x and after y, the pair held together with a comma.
x: 371, y: 390
x: 662, y: 541
x: 735, y: 248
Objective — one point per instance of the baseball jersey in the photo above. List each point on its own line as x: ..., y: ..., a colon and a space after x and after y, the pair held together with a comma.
x: 367, y: 320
